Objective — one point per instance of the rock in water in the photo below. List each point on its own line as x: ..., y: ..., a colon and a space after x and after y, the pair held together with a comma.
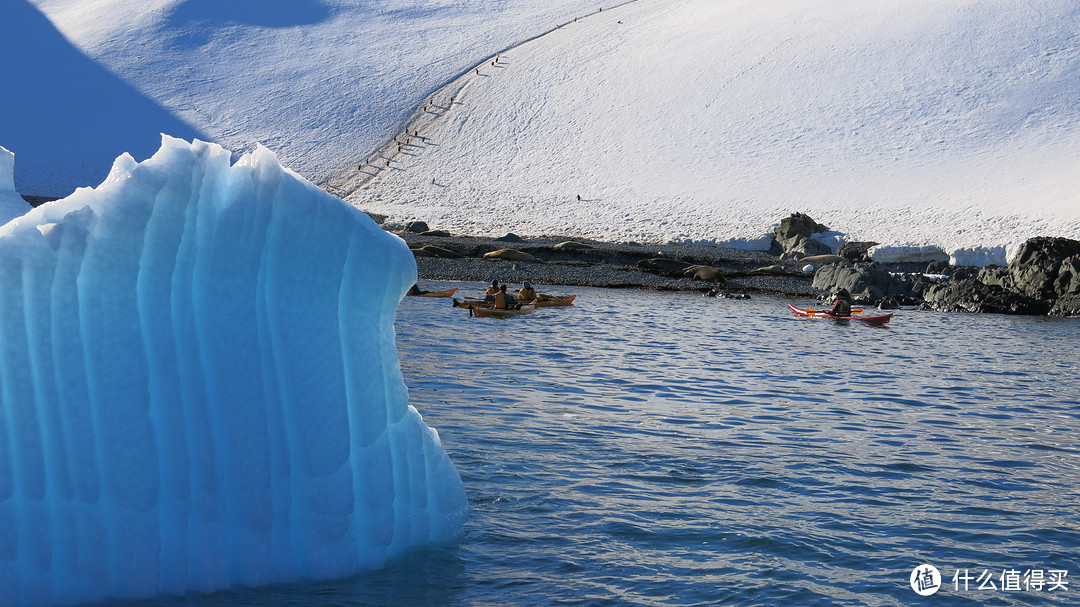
x: 970, y: 295
x: 200, y: 387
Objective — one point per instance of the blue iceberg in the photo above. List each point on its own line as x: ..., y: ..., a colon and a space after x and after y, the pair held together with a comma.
x: 199, y: 387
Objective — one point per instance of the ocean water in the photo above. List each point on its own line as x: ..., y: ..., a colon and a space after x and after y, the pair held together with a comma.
x: 645, y: 448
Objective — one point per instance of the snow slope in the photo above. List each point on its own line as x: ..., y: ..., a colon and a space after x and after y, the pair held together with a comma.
x: 909, y: 122
x: 919, y: 122
x: 319, y: 82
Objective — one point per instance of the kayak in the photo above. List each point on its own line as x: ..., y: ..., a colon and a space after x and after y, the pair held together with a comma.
x: 446, y: 293
x: 496, y: 313
x: 483, y: 308
x: 555, y: 300
x: 473, y: 302
x: 875, y: 319
x: 541, y: 301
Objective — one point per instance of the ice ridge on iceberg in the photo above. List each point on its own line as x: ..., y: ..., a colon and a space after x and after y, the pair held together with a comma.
x: 199, y: 387
x: 11, y: 204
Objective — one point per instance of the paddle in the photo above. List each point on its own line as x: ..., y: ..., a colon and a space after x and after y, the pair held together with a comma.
x: 853, y: 311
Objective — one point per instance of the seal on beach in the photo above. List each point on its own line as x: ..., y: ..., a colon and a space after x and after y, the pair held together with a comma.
x: 570, y: 245
x: 509, y: 255
x: 434, y: 251
x: 706, y: 273
x: 662, y: 266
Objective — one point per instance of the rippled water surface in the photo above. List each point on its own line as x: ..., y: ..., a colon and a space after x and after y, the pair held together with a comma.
x: 669, y: 449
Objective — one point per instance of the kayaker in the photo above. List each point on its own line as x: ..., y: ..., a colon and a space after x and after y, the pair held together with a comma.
x: 842, y: 306
x: 416, y: 290
x: 503, y: 300
x: 526, y: 293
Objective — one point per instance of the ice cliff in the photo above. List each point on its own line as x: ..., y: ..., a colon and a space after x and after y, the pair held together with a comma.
x: 200, y: 387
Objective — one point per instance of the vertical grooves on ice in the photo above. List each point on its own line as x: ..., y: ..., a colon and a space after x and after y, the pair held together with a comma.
x: 201, y: 388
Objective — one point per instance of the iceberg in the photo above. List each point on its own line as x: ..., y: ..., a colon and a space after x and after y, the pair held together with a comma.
x: 11, y: 204
x: 200, y: 388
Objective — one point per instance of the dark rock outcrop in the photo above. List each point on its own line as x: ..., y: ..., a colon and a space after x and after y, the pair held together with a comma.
x: 1067, y: 306
x: 970, y: 295
x: 797, y: 225
x: 1035, y: 269
x: 1068, y: 278
x: 997, y: 276
x: 1044, y: 277
x: 937, y: 267
x: 793, y: 237
x: 806, y: 247
x: 417, y: 227
x: 865, y: 282
x: 856, y: 252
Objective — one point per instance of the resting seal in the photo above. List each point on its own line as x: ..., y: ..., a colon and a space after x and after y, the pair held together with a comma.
x: 706, y: 273
x: 509, y: 255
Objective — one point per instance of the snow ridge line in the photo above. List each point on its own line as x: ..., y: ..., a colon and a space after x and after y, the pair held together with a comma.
x: 349, y: 181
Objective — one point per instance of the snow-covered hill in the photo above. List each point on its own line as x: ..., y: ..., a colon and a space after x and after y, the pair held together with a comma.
x: 955, y: 124
x: 947, y: 123
x: 319, y: 82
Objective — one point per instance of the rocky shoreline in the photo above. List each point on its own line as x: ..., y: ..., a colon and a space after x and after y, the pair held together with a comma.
x: 1044, y: 278
x: 557, y: 261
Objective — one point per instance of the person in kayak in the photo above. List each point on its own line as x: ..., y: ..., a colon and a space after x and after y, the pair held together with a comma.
x: 526, y: 293
x: 842, y: 306
x: 505, y: 301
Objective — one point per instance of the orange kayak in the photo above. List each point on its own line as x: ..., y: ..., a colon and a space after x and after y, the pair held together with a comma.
x: 446, y: 293
x: 555, y: 300
x: 500, y: 313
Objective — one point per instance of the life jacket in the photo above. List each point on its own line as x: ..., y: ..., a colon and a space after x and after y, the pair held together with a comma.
x: 527, y: 295
x: 501, y: 301
x: 842, y: 307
